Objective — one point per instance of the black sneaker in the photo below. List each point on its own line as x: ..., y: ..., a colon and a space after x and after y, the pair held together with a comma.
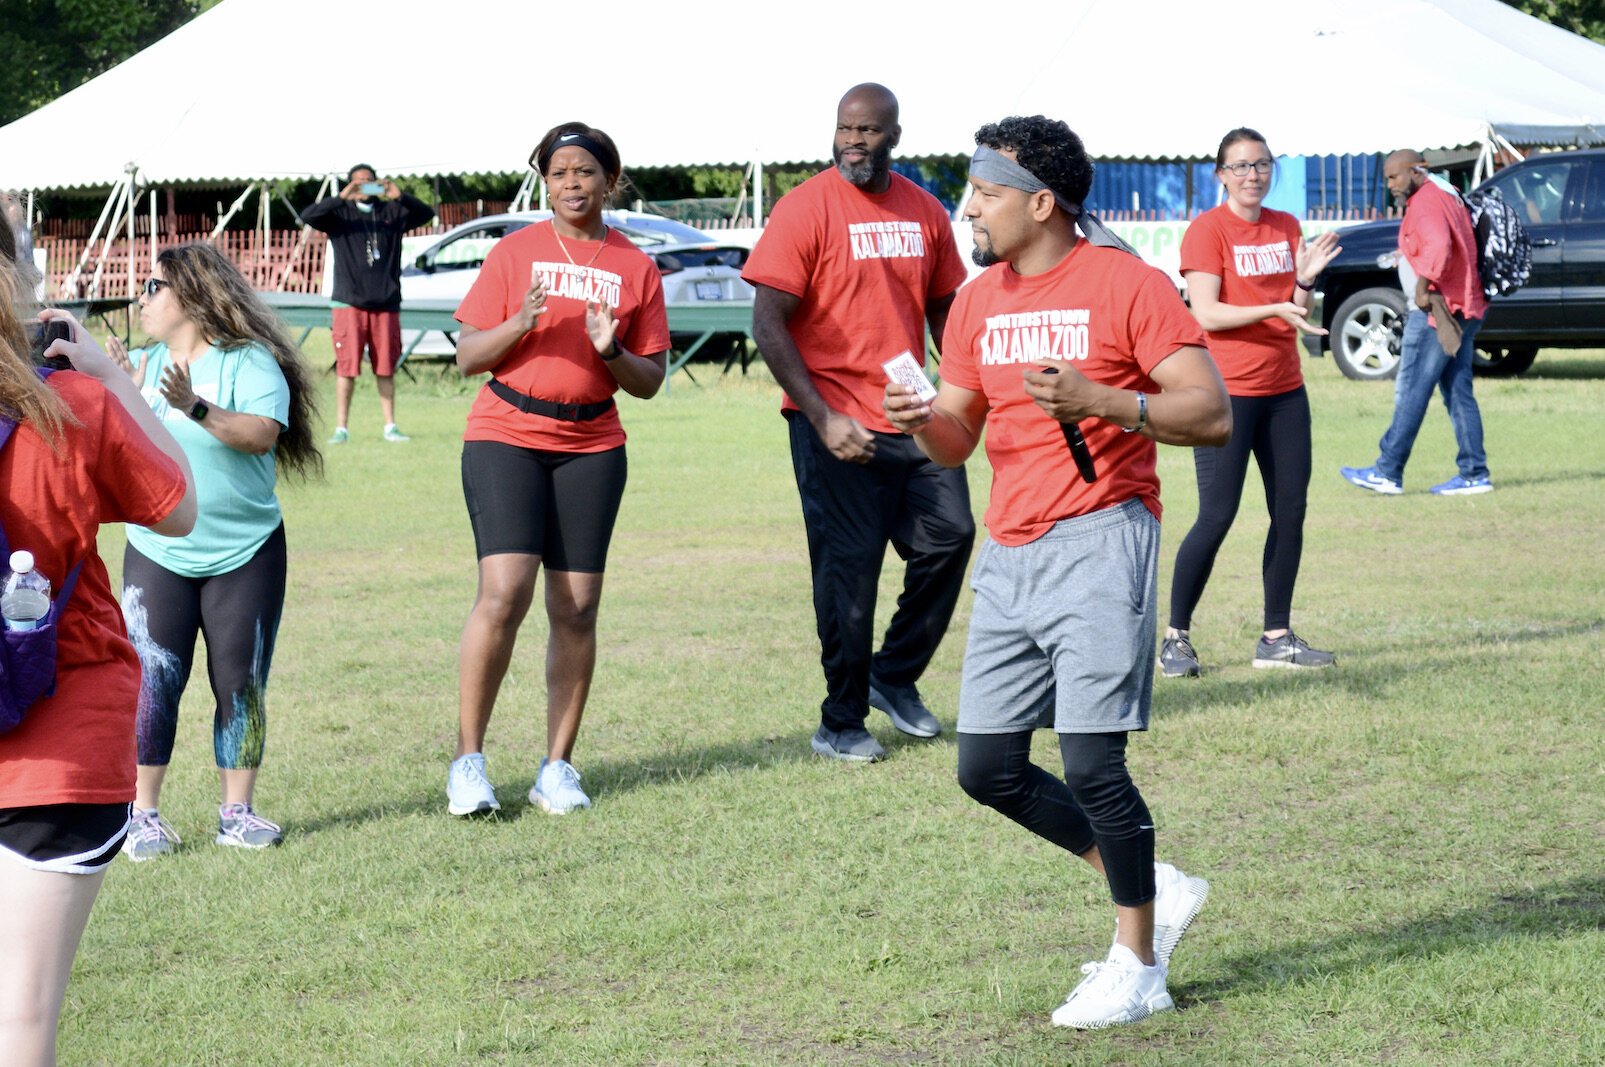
x: 853, y: 745
x: 902, y: 702
x: 1177, y: 658
x: 1290, y: 650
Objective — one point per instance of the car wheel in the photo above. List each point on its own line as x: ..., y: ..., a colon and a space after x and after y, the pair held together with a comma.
x: 1367, y: 333
x: 1498, y: 362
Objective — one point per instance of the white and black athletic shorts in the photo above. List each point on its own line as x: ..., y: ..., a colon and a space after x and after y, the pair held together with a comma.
x: 65, y: 838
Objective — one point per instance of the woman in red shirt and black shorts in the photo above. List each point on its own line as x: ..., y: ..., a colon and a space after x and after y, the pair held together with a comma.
x: 564, y: 314
x: 85, y: 450
x: 1249, y: 276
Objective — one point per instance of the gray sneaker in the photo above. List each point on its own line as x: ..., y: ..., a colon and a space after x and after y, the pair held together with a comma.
x: 239, y: 826
x: 855, y: 745
x: 1177, y: 658
x: 908, y: 712
x: 149, y: 836
x: 1290, y: 650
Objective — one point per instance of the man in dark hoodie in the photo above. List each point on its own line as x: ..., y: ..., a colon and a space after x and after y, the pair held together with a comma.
x: 365, y: 222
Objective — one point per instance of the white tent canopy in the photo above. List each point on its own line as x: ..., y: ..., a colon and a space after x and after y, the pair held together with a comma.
x: 258, y: 89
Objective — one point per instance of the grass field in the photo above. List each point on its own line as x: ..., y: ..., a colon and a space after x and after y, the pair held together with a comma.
x: 1405, y: 852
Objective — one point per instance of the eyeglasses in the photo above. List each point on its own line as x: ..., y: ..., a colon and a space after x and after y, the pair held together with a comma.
x: 1240, y: 170
x: 154, y: 286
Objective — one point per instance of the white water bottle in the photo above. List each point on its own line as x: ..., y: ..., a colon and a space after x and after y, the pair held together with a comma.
x: 25, y: 598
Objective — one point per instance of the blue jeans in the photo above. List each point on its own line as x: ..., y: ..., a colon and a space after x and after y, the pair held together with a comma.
x: 1423, y: 365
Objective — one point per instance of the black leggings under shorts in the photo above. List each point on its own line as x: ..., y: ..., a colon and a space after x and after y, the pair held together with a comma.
x: 560, y: 506
x: 65, y: 838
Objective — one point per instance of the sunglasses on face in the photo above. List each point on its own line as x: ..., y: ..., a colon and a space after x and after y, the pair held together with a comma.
x: 154, y: 286
x: 1240, y: 170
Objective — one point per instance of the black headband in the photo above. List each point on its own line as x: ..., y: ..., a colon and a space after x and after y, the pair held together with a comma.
x: 577, y: 140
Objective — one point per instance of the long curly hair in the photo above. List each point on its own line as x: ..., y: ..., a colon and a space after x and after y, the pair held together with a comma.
x: 23, y: 396
x: 215, y: 296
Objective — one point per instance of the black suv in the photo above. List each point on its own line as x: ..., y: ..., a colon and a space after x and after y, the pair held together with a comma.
x: 1560, y: 198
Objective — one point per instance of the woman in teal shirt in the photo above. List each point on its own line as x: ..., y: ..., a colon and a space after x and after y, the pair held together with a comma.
x: 225, y: 380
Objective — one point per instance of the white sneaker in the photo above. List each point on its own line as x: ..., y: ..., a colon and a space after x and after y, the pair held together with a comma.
x: 1116, y: 991
x: 394, y: 435
x: 557, y: 788
x: 468, y: 791
x: 1177, y: 901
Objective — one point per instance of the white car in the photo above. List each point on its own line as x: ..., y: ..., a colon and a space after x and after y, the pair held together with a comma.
x: 697, y: 269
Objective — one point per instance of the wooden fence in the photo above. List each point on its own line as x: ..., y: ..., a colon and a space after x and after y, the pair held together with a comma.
x: 283, y: 261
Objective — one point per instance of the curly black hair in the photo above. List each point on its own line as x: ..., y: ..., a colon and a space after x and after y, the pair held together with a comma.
x: 1047, y: 148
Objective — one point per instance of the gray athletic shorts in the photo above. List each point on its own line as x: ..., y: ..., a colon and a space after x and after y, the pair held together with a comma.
x: 1062, y: 631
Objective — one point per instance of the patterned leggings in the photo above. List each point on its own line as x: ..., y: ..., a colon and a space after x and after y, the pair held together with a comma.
x: 238, y: 614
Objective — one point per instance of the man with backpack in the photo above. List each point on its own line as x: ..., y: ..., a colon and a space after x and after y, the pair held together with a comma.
x: 1438, y: 268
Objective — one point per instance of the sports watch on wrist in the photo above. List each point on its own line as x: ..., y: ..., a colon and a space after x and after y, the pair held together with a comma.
x: 198, y: 409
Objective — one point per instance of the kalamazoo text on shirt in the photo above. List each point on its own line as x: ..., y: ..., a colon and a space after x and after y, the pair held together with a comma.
x: 1252, y: 261
x: 1026, y: 336
x: 580, y: 283
x: 886, y: 240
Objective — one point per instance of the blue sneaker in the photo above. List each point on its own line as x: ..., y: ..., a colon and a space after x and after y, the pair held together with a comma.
x: 1460, y: 485
x: 557, y: 788
x: 1368, y: 478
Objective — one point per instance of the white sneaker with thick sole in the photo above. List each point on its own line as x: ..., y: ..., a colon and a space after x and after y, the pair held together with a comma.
x: 1178, y: 900
x: 557, y: 788
x: 468, y: 791
x: 1117, y: 991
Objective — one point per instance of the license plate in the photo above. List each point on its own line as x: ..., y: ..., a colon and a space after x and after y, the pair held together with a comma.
x: 710, y: 291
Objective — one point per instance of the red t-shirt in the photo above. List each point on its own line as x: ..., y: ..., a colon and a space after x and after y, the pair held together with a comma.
x: 1114, y: 318
x: 1440, y: 245
x: 556, y: 360
x: 1254, y: 262
x: 77, y: 746
x: 864, y: 266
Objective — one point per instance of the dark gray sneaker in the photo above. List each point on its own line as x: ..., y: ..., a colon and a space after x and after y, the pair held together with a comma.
x: 902, y: 702
x: 854, y: 745
x: 1177, y: 658
x: 1290, y: 650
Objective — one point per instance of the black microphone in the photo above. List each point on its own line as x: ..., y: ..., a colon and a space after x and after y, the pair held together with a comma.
x: 1078, y: 444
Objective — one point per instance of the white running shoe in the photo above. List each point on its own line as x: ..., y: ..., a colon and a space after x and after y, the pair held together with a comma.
x: 1117, y: 991
x: 1178, y: 900
x: 468, y: 791
x: 557, y: 788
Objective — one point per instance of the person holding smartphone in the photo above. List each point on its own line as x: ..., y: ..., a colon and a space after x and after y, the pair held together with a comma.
x: 365, y: 223
x: 85, y: 450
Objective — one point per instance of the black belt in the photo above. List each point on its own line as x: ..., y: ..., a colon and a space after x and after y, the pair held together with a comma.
x: 531, y: 405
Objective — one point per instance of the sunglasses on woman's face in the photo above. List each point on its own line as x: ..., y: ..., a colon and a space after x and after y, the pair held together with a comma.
x: 154, y: 286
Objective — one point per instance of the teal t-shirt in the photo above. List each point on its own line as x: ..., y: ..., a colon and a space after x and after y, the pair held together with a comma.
x: 237, y: 507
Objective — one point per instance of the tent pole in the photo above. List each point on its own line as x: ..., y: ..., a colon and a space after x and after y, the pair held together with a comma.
x: 125, y: 191
x: 133, y: 210
x: 71, y: 285
x: 231, y: 212
x: 757, y: 194
x: 306, y: 232
x: 153, y: 229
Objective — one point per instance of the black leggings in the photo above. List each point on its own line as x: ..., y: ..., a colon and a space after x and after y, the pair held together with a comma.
x: 1096, y: 804
x: 238, y: 615
x: 1276, y: 430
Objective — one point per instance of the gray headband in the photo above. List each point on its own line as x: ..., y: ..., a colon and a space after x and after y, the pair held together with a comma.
x: 990, y: 165
x: 993, y: 166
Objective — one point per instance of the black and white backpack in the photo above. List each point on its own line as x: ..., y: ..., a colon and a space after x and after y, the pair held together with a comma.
x: 1504, y: 254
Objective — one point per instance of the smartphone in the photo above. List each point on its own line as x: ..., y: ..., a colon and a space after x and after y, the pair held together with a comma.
x: 40, y: 335
x: 372, y: 188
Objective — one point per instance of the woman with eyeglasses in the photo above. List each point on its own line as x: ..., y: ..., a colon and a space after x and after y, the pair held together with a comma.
x: 225, y: 379
x: 564, y: 314
x: 1249, y: 276
x: 84, y: 449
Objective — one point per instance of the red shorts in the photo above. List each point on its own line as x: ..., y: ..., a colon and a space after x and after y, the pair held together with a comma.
x: 377, y: 331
